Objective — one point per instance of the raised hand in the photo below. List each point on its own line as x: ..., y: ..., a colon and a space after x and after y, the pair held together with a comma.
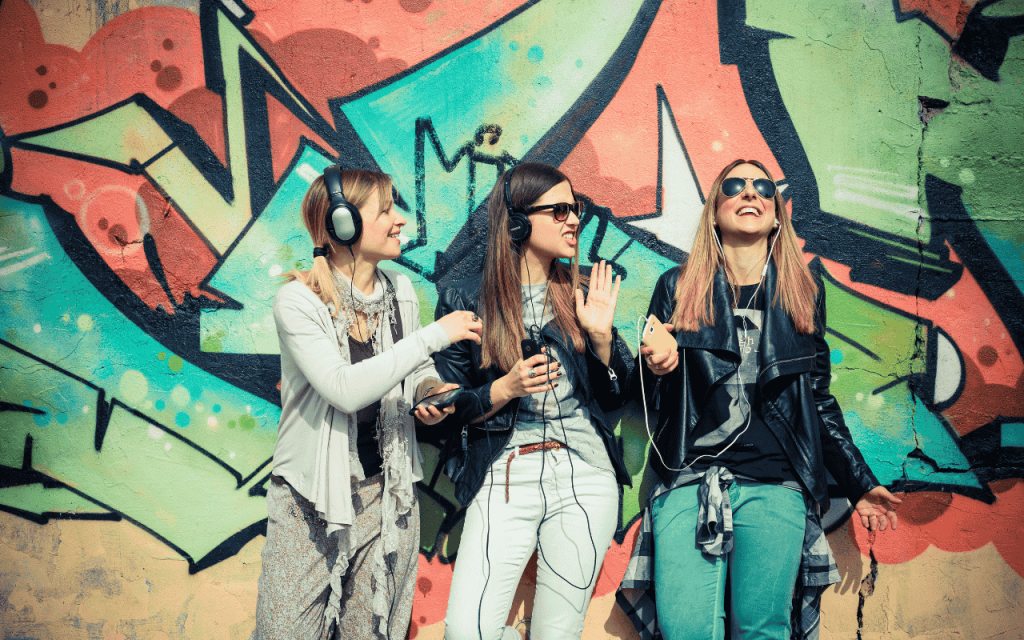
x: 597, y: 313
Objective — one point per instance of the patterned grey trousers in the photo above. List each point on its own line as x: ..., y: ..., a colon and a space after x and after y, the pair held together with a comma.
x: 294, y: 583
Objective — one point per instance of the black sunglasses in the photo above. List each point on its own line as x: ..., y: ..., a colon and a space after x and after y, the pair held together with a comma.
x: 560, y: 210
x: 732, y: 187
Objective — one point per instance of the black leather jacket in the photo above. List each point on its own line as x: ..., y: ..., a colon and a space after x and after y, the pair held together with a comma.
x: 471, y: 448
x: 793, y: 382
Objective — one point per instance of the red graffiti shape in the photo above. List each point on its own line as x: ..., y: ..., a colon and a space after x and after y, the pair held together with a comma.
x: 432, y: 588
x: 962, y: 524
x: 116, y: 63
x: 948, y: 15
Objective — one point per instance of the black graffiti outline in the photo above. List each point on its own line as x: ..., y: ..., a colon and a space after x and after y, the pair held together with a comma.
x: 875, y: 257
x: 261, y: 379
x: 103, y: 412
x: 915, y: 383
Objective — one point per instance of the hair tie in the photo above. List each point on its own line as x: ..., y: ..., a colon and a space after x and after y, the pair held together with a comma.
x: 321, y: 252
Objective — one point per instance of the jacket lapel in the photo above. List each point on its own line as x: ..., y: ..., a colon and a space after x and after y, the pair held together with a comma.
x: 721, y: 336
x: 783, y: 350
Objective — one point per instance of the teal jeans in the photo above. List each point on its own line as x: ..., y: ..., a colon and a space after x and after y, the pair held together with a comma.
x: 768, y: 524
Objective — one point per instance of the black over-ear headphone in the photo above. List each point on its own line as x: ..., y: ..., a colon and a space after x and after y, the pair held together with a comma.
x: 519, y: 226
x: 344, y: 224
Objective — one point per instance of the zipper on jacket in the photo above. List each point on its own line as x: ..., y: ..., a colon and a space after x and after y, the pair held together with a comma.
x: 778, y: 362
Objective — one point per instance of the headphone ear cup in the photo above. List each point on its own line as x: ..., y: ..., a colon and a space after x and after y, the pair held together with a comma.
x: 346, y: 224
x: 519, y: 227
x: 343, y: 222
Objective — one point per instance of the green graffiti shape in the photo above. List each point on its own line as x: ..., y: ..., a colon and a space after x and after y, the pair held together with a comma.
x: 119, y: 424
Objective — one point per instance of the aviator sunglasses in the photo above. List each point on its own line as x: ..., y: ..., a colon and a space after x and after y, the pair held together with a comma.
x: 560, y: 210
x: 732, y: 187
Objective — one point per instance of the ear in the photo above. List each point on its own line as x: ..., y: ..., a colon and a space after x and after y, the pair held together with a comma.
x: 776, y: 225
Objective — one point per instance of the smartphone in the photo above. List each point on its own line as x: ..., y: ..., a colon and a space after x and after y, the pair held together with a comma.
x: 657, y: 337
x: 439, y: 400
x: 530, y: 348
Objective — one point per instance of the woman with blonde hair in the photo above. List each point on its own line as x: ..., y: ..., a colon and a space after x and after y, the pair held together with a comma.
x: 533, y: 458
x: 340, y: 557
x: 747, y: 429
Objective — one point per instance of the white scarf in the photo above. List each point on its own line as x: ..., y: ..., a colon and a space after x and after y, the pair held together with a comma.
x: 394, y: 442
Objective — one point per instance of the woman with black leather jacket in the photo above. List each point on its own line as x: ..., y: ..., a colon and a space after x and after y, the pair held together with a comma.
x: 747, y: 429
x: 532, y: 454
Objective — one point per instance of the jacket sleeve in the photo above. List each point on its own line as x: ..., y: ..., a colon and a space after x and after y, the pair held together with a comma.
x: 662, y: 305
x: 425, y: 377
x: 348, y: 387
x: 842, y: 457
x: 455, y: 364
x: 609, y: 381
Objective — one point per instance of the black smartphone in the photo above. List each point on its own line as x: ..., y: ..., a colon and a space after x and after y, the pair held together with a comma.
x: 439, y: 400
x: 530, y: 348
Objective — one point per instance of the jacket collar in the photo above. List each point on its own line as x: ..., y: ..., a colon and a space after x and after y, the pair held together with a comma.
x: 780, y: 342
x: 721, y: 335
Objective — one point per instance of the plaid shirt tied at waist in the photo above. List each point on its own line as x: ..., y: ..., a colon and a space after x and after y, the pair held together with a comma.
x: 714, y: 532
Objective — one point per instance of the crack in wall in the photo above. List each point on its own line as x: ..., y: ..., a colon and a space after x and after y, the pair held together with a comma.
x: 867, y: 589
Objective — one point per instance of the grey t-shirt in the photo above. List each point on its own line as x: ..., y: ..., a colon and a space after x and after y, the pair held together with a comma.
x: 560, y: 410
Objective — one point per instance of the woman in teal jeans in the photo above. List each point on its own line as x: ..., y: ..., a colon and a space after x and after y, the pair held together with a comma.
x: 746, y: 432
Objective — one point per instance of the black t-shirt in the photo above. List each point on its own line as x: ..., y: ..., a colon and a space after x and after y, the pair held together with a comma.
x: 367, y: 417
x: 731, y: 420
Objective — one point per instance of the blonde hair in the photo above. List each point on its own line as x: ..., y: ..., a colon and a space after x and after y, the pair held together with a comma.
x: 501, y: 289
x: 358, y: 186
x: 796, y: 290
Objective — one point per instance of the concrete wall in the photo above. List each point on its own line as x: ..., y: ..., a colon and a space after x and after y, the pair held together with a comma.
x: 154, y: 157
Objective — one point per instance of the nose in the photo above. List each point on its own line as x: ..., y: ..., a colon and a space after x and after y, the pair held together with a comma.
x: 748, y: 189
x: 399, y: 219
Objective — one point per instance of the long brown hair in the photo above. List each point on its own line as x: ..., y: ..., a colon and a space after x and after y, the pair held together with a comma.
x: 358, y: 186
x: 501, y: 290
x: 796, y: 290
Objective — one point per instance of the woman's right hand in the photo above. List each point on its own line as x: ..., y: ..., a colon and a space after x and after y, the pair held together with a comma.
x: 518, y: 382
x: 462, y: 325
x: 664, y: 363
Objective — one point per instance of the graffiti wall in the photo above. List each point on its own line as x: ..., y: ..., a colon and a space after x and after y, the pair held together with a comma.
x: 155, y: 153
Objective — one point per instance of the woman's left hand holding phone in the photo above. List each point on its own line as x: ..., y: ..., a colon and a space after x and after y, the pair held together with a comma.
x: 459, y: 325
x: 429, y: 414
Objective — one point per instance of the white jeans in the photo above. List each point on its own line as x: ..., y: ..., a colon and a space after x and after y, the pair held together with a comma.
x: 499, y: 537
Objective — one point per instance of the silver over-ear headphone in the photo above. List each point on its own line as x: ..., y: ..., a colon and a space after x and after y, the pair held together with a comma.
x: 343, y: 222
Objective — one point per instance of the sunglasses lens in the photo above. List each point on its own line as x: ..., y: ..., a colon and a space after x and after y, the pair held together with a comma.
x: 732, y: 186
x: 562, y: 210
x: 766, y: 188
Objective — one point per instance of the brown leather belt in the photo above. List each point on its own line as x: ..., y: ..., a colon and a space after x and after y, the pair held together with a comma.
x: 530, y: 448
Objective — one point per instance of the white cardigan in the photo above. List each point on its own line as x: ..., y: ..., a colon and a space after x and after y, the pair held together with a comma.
x: 312, y: 451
